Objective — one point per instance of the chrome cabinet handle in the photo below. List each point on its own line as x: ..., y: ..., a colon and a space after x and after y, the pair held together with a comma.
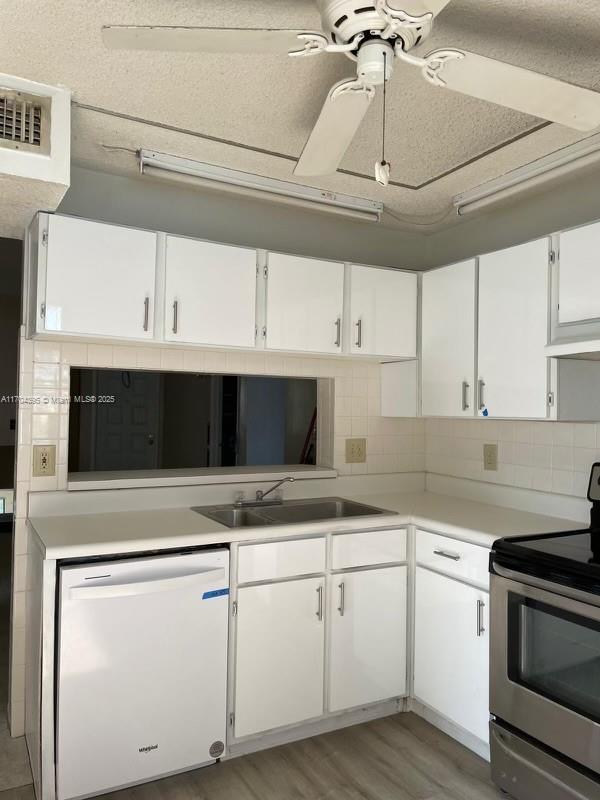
x: 146, y: 312
x: 338, y: 331
x: 445, y: 554
x: 481, y: 388
x: 480, y: 625
x: 359, y: 333
x: 320, y: 603
x: 465, y: 395
x: 342, y: 605
x: 175, y: 316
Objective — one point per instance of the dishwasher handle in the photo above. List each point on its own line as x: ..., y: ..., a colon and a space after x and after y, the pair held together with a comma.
x: 136, y: 588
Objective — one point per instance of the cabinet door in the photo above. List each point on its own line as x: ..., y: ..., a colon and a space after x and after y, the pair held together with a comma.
x: 367, y: 658
x: 579, y: 275
x: 448, y: 341
x: 451, y: 650
x: 210, y: 293
x: 383, y: 312
x: 305, y: 298
x: 99, y: 279
x: 513, y: 331
x: 279, y: 659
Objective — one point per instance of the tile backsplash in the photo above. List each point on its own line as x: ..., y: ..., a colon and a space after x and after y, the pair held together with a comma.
x: 546, y: 456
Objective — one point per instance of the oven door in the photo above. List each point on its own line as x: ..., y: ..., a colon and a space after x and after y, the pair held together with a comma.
x: 545, y: 664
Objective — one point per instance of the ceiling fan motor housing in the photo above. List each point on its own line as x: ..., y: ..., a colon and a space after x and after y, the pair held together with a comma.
x: 375, y: 62
x: 344, y: 19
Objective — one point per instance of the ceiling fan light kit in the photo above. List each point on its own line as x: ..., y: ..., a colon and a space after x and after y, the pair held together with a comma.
x: 209, y: 176
x: 373, y: 34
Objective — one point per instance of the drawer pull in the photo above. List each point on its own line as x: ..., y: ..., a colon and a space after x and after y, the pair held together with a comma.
x: 445, y: 554
x: 480, y: 625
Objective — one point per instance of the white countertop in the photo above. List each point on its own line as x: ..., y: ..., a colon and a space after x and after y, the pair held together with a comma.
x: 89, y: 535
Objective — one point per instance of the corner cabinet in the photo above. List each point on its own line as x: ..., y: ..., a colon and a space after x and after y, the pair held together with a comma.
x: 513, y: 371
x: 91, y: 279
x: 448, y: 340
x: 305, y: 302
x: 382, y: 312
x: 210, y: 293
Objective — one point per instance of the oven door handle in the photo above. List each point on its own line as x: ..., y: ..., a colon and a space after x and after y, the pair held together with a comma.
x: 568, y: 791
x: 556, y: 589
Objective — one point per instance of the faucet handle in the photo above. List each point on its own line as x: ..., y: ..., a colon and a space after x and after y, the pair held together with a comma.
x: 239, y: 499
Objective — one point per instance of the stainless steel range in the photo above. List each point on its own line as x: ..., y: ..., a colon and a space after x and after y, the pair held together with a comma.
x: 545, y: 662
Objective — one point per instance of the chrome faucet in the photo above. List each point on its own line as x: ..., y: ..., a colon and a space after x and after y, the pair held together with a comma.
x: 260, y: 495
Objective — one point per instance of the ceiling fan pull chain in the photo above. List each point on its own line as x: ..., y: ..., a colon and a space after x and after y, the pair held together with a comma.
x: 382, y: 168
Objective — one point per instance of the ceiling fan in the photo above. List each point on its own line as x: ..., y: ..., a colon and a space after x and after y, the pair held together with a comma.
x: 374, y: 34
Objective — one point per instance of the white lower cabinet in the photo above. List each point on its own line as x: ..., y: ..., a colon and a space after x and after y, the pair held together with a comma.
x: 279, y: 654
x: 367, y: 655
x: 451, y: 659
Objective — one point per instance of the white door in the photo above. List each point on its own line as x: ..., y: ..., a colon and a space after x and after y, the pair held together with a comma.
x: 451, y: 650
x: 210, y: 293
x: 448, y: 341
x: 141, y: 669
x: 305, y: 299
x: 367, y: 655
x: 383, y: 312
x: 280, y: 643
x: 579, y: 275
x: 513, y: 331
x: 99, y: 279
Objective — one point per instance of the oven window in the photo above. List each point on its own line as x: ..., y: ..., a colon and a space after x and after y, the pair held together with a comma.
x: 555, y: 653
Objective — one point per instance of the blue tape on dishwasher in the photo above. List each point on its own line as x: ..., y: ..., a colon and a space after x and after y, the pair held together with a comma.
x: 215, y: 593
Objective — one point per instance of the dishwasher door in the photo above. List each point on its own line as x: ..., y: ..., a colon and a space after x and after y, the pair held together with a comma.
x: 141, y: 669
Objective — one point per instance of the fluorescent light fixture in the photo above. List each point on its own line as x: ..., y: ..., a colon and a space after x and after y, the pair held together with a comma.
x: 195, y: 173
x: 557, y: 165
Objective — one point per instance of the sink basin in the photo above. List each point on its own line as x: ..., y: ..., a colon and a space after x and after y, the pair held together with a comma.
x: 232, y: 517
x: 290, y: 512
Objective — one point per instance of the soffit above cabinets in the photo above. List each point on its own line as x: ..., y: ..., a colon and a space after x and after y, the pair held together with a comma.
x: 255, y: 112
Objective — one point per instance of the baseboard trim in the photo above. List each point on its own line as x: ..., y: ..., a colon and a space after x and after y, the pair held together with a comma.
x: 462, y: 736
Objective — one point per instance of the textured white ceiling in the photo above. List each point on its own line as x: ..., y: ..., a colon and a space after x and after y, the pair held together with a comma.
x: 255, y: 112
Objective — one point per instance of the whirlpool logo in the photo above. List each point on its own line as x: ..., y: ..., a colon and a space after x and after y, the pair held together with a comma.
x: 148, y: 748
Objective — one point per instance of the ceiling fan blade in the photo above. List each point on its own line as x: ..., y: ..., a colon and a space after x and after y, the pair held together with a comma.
x: 203, y: 40
x: 343, y: 111
x: 518, y: 88
x: 417, y: 8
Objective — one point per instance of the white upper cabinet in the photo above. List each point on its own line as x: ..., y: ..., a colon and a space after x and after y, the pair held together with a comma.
x: 513, y: 332
x: 305, y: 298
x: 448, y: 341
x: 95, y: 279
x: 210, y: 295
x: 383, y: 312
x: 579, y: 275
x: 367, y: 612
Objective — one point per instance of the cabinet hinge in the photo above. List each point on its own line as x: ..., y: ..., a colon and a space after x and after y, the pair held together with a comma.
x: 266, y: 272
x: 44, y: 237
x: 550, y: 398
x: 264, y: 332
x: 231, y: 719
x: 234, y: 608
x: 43, y: 310
x: 552, y: 258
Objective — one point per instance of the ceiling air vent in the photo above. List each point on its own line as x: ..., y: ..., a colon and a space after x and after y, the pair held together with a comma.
x: 24, y: 121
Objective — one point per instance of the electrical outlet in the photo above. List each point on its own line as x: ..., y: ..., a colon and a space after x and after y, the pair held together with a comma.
x: 44, y: 460
x: 356, y: 451
x: 490, y: 457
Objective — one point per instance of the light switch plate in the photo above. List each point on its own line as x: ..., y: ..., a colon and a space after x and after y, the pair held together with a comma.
x: 490, y: 457
x: 44, y: 460
x: 356, y: 451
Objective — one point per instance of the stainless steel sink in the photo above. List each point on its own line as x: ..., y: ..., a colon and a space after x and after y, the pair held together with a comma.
x: 290, y: 512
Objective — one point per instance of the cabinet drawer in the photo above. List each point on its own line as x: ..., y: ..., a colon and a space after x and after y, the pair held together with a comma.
x: 273, y: 560
x: 463, y: 560
x: 363, y: 549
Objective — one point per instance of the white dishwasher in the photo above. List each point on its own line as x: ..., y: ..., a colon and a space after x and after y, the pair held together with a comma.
x: 141, y: 669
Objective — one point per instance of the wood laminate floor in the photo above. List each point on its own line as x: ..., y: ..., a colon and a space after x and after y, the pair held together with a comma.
x: 396, y: 758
